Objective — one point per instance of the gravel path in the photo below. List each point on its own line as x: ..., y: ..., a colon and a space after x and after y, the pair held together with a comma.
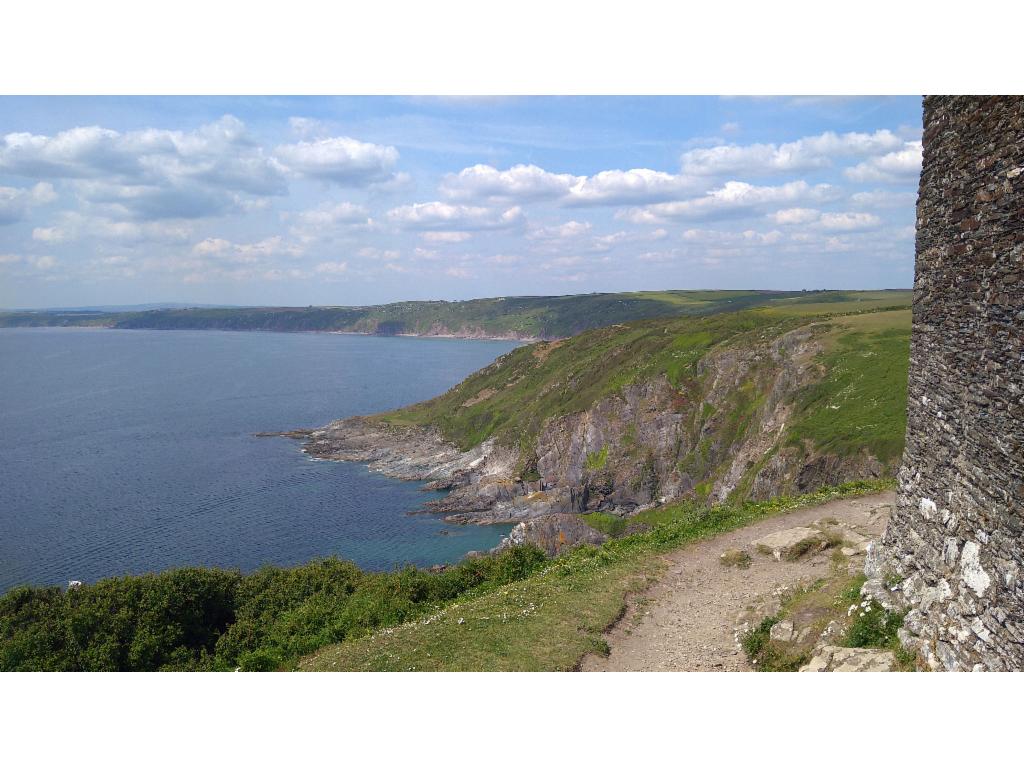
x: 686, y: 621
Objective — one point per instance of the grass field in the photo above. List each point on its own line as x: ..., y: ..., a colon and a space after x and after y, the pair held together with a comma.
x: 551, y: 619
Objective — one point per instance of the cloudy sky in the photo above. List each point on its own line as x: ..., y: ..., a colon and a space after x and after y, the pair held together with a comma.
x: 363, y: 200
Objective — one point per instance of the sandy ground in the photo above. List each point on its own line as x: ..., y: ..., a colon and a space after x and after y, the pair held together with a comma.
x: 686, y: 621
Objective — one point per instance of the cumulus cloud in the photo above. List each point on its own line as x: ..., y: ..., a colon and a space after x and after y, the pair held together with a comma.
x: 446, y: 217
x: 259, y: 252
x: 848, y: 222
x: 341, y: 160
x: 880, y: 198
x: 15, y: 202
x: 569, y: 229
x: 639, y: 185
x: 735, y: 198
x: 74, y: 226
x: 528, y: 183
x: 329, y: 215
x: 446, y: 237
x: 151, y: 173
x: 520, y: 182
x: 795, y: 216
x: 893, y: 168
x: 804, y: 154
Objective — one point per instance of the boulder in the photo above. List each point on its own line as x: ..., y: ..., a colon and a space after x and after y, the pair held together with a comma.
x: 553, y: 533
x: 790, y: 543
x: 782, y: 632
x: 831, y: 658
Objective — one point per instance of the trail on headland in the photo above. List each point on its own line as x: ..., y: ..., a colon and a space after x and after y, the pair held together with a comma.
x: 687, y: 620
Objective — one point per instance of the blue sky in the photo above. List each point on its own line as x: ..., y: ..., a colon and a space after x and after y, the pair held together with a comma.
x: 296, y: 201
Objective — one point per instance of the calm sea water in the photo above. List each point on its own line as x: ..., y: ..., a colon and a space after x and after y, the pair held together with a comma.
x: 133, y: 451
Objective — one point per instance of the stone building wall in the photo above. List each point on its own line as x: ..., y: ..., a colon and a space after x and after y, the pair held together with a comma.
x: 956, y: 538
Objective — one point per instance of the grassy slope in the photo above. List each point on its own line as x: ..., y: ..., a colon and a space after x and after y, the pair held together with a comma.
x: 550, y: 620
x: 530, y: 316
x: 859, y: 403
x: 512, y: 398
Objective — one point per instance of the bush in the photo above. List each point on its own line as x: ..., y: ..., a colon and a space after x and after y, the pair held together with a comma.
x: 199, y: 618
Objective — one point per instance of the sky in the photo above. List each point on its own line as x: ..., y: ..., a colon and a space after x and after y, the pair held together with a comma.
x: 363, y: 200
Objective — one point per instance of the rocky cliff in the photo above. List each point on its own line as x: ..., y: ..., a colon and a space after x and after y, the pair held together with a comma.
x: 713, y: 420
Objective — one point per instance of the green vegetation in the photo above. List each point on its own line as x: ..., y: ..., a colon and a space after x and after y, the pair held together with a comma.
x: 596, y: 461
x: 550, y: 619
x: 211, y: 619
x: 513, y: 316
x: 518, y: 609
x: 865, y: 623
x: 853, y: 402
x: 767, y: 656
x: 861, y: 401
x: 530, y: 385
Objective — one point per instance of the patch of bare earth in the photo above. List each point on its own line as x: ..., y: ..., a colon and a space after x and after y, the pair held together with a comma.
x: 687, y: 620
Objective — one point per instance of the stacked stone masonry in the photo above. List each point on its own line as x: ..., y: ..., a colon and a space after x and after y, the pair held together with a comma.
x: 955, y: 541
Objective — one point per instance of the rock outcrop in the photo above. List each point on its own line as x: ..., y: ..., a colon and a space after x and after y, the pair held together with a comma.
x: 956, y: 539
x: 648, y: 443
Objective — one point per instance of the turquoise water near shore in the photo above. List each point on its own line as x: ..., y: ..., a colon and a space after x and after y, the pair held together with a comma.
x: 133, y: 451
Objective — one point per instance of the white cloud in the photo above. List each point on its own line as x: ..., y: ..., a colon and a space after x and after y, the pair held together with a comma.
x: 459, y: 272
x: 329, y: 215
x: 16, y: 202
x: 847, y: 222
x: 339, y: 159
x: 528, y: 183
x: 844, y: 222
x: 378, y: 254
x: 259, y: 252
x: 446, y: 217
x: 881, y: 198
x: 568, y: 230
x: 639, y: 185
x: 894, y: 167
x: 446, y: 237
x: 735, y: 198
x: 801, y: 155
x: 795, y: 216
x: 150, y: 173
x: 73, y: 226
x: 519, y: 183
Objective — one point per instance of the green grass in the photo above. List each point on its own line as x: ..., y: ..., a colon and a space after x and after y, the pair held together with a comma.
x: 860, y: 403
x: 549, y: 620
x: 596, y: 461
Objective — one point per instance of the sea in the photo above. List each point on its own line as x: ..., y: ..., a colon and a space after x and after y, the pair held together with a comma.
x: 128, y: 452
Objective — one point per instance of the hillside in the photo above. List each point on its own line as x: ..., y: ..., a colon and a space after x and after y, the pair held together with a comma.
x: 752, y: 404
x: 524, y: 317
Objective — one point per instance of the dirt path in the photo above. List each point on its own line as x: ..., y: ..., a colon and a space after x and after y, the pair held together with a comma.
x: 687, y: 620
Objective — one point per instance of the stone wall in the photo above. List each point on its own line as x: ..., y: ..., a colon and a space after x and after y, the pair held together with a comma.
x: 956, y: 538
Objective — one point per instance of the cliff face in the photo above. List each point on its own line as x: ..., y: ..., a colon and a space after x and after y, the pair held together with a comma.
x: 720, y: 431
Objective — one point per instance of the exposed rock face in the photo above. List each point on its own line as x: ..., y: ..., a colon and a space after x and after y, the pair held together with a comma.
x: 554, y: 533
x: 955, y: 538
x: 645, y: 445
x: 832, y: 658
